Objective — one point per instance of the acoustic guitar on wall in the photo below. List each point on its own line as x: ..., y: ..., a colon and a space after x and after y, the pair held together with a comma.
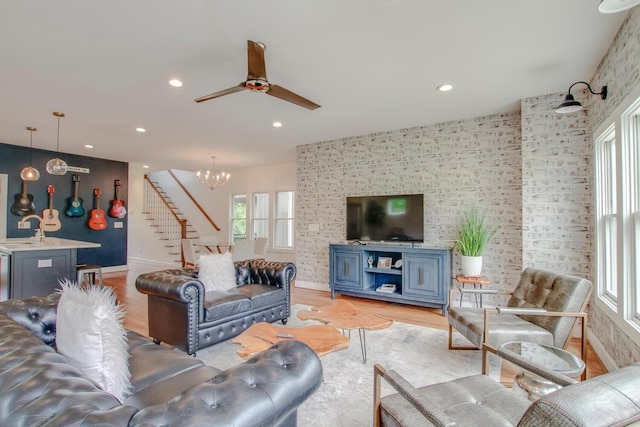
x: 75, y: 209
x: 23, y: 204
x: 97, y: 221
x: 117, y: 205
x: 51, y: 217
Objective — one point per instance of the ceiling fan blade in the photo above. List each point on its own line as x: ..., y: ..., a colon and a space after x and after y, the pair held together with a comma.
x: 287, y: 95
x: 256, y: 69
x: 222, y: 93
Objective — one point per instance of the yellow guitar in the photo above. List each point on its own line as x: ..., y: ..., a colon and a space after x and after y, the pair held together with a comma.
x: 51, y: 217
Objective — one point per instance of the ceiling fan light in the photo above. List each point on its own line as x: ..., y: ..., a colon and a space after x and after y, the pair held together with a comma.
x: 615, y: 6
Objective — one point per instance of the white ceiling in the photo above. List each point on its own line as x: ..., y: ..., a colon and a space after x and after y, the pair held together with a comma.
x: 372, y: 65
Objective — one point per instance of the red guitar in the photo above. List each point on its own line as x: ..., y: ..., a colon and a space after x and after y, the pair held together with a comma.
x: 51, y: 217
x: 117, y: 205
x: 97, y: 221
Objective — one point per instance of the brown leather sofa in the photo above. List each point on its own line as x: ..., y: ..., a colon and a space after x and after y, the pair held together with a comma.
x: 182, y: 314
x: 39, y: 386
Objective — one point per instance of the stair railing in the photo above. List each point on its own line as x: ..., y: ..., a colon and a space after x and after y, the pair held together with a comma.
x: 168, y: 223
x: 195, y: 202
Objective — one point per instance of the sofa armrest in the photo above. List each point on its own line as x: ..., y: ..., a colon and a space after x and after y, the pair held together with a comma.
x: 272, y: 384
x: 37, y: 314
x: 257, y: 271
x: 429, y: 409
x: 177, y: 284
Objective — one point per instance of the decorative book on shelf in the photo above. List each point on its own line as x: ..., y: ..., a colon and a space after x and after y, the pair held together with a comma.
x: 387, y: 287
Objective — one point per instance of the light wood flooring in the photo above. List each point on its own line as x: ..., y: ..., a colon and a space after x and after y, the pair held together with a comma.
x: 136, y: 315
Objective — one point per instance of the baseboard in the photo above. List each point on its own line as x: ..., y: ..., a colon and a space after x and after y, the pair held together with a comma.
x: 115, y: 268
x: 608, y: 362
x: 311, y: 285
x: 149, y: 262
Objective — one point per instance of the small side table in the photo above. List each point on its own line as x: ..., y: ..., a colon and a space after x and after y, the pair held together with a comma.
x: 554, y: 358
x: 475, y: 281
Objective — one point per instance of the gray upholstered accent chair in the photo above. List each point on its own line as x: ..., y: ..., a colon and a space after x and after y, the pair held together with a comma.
x: 544, y: 308
x: 611, y: 399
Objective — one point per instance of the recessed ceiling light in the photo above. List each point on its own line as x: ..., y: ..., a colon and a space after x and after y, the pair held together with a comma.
x: 444, y: 87
x: 141, y: 130
x: 175, y: 83
x: 277, y: 124
x: 88, y: 146
x: 145, y: 166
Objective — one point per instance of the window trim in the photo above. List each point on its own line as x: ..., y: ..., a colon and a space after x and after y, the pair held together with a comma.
x: 625, y: 312
x: 291, y: 218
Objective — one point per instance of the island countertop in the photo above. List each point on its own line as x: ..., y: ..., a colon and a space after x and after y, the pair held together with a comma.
x: 34, y: 244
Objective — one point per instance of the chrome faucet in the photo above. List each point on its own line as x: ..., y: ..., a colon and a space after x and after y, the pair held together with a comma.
x: 40, y: 229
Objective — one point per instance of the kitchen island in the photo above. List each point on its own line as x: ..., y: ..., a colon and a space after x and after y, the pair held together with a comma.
x: 31, y: 266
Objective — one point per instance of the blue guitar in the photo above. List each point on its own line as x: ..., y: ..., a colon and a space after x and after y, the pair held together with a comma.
x: 75, y: 208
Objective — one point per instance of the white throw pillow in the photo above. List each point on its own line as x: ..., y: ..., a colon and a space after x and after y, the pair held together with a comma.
x: 217, y: 272
x: 90, y: 334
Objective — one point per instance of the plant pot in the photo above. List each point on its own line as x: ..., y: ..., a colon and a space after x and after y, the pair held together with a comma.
x: 471, y: 265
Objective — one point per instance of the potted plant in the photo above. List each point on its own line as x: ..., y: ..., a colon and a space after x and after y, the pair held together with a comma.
x: 472, y: 236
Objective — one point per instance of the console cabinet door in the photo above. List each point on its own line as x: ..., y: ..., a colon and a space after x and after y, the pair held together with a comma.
x: 422, y: 278
x: 347, y: 268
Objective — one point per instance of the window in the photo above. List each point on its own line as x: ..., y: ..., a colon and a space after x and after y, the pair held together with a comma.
x: 617, y: 214
x: 283, y: 234
x: 238, y: 217
x: 260, y: 215
x: 606, y: 206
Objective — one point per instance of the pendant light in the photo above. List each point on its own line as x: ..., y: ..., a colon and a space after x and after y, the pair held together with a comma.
x: 57, y: 166
x: 30, y: 173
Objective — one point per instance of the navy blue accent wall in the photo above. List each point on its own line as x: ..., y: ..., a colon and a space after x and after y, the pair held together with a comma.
x: 103, y: 174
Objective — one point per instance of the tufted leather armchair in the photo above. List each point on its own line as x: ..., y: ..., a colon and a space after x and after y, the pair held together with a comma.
x: 611, y: 399
x: 543, y: 308
x: 182, y: 314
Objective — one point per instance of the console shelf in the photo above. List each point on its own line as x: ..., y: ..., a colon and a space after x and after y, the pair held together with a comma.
x: 422, y: 278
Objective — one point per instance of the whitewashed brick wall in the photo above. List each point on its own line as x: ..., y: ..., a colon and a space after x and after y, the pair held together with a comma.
x: 557, y: 233
x: 456, y: 165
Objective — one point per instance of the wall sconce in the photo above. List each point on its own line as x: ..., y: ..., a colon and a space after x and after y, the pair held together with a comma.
x: 615, y: 6
x: 570, y: 105
x: 30, y: 173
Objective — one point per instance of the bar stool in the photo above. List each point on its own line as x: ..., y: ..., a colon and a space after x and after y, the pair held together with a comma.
x: 87, y: 269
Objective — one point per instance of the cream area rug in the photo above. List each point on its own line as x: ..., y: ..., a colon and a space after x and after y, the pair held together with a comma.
x: 345, y: 397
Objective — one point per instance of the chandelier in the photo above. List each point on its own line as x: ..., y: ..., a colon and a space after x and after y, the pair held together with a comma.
x: 212, y: 179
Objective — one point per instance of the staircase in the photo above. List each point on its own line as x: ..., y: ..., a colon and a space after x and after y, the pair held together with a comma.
x: 165, y: 217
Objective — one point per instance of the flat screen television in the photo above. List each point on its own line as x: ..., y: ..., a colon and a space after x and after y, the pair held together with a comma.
x: 386, y: 218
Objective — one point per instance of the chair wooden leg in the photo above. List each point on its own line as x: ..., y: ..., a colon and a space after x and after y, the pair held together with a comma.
x: 583, y: 344
x: 378, y: 370
x: 451, y: 346
x: 486, y: 348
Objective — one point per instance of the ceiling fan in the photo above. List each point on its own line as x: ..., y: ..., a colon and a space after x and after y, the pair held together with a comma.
x: 257, y: 80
